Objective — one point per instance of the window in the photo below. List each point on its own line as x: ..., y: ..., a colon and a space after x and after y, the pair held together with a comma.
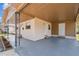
x: 22, y: 28
x: 17, y: 27
x: 48, y: 27
x: 28, y: 26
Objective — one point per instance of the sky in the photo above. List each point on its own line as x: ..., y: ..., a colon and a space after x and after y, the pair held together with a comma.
x: 1, y: 11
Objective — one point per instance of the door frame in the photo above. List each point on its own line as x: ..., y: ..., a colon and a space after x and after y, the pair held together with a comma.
x: 61, y: 32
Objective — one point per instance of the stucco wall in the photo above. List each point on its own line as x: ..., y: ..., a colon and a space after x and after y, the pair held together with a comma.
x: 39, y: 29
x: 28, y: 33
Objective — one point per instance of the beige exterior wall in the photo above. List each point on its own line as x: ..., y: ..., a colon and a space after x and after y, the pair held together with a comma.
x: 28, y: 33
x: 55, y: 28
x: 39, y: 29
x: 69, y: 28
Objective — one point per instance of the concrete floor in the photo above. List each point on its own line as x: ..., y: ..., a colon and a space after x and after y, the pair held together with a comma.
x: 49, y: 47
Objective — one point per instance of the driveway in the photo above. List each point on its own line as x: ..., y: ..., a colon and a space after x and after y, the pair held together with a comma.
x: 49, y: 47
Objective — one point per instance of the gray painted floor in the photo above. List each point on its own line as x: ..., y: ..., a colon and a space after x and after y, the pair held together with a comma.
x: 49, y: 47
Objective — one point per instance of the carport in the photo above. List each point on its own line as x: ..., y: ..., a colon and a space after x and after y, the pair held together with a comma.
x: 63, y: 19
x: 61, y: 16
x: 54, y: 13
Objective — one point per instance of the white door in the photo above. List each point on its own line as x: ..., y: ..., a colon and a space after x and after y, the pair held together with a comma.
x: 62, y: 29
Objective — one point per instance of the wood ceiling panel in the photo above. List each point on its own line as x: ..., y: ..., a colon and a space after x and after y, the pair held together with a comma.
x: 24, y: 17
x: 52, y: 12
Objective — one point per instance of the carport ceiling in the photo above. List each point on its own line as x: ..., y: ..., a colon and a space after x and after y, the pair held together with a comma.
x: 53, y: 11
